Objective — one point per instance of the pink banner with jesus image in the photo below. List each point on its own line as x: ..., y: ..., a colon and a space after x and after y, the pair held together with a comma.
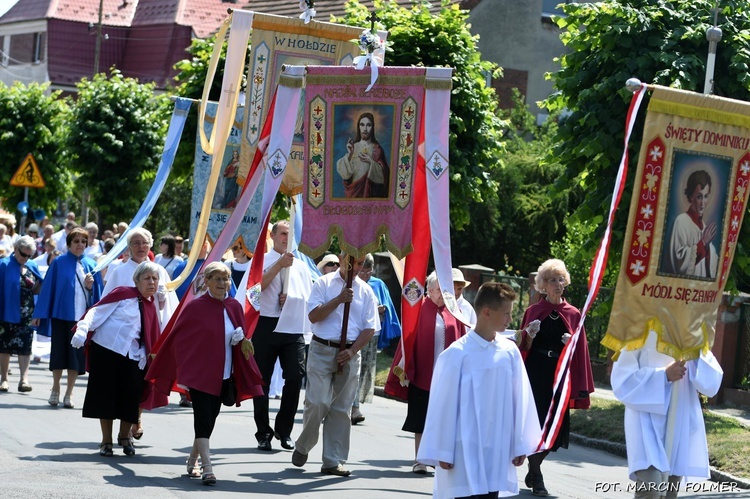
x: 361, y: 151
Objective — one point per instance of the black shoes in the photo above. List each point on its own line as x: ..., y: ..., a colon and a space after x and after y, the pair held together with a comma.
x: 265, y: 443
x: 286, y: 442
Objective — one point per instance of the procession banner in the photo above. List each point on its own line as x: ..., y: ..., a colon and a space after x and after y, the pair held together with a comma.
x: 227, y: 192
x: 241, y: 23
x: 278, y: 41
x: 276, y: 144
x: 176, y: 125
x: 687, y: 208
x: 361, y: 150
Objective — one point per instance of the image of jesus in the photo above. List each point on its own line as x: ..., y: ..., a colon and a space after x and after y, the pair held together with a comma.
x: 364, y: 168
x: 691, y: 248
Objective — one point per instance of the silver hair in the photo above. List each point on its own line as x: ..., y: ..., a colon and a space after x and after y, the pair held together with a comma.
x: 25, y: 242
x: 146, y: 267
x: 547, y: 269
x: 91, y: 226
x: 432, y: 281
x: 215, y: 268
x: 143, y: 232
x: 369, y: 261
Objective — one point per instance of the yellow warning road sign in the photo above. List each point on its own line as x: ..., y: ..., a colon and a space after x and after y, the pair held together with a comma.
x: 28, y: 174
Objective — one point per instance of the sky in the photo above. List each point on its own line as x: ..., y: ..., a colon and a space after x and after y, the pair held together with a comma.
x: 5, y: 5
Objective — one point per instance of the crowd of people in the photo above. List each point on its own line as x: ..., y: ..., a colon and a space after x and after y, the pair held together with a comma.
x: 479, y: 396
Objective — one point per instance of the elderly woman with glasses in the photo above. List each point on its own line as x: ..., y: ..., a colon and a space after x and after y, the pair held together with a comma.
x: 120, y: 331
x: 548, y: 326
x: 68, y: 290
x: 205, y: 349
x: 20, y: 280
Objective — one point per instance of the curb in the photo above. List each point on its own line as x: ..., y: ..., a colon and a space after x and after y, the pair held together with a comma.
x: 618, y: 450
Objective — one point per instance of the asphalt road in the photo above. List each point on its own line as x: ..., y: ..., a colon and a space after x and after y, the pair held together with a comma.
x: 50, y: 452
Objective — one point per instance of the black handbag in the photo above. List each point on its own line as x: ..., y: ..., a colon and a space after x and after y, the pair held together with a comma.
x: 228, y: 392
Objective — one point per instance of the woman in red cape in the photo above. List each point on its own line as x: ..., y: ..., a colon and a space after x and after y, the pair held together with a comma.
x: 206, y: 346
x: 542, y: 352
x: 436, y: 329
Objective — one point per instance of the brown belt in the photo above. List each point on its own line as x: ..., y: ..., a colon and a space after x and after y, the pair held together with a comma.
x: 334, y: 344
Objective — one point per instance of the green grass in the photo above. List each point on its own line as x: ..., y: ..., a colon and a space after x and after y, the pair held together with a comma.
x: 728, y: 440
x: 383, y: 365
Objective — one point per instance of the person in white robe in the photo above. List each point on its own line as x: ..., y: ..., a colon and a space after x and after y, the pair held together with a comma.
x: 664, y: 428
x: 481, y: 419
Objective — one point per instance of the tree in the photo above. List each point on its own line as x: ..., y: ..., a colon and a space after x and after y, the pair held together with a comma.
x: 418, y: 38
x: 658, y: 41
x: 32, y: 121
x: 115, y: 142
x: 531, y: 212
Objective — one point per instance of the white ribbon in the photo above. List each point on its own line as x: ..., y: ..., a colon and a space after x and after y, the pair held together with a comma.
x: 308, y: 14
x: 376, y: 59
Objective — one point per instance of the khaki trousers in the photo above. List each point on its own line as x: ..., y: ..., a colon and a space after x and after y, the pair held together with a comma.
x: 328, y: 400
x: 653, y: 484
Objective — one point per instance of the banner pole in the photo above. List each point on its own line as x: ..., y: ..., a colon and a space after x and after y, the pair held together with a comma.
x: 713, y: 35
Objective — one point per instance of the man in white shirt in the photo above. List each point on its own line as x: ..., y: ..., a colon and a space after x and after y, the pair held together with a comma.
x: 459, y: 283
x: 330, y: 393
x: 285, y: 289
x: 61, y: 236
x: 664, y: 429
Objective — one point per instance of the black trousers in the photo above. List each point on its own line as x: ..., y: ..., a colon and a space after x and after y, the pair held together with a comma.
x: 489, y: 495
x: 206, y: 408
x: 290, y: 350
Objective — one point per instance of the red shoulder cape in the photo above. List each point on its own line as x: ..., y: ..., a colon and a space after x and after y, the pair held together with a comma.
x: 420, y: 360
x: 150, y: 334
x: 193, y: 353
x: 581, y: 379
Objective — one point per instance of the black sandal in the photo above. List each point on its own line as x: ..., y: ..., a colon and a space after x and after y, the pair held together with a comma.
x: 208, y: 477
x: 127, y: 445
x: 105, y: 450
x: 138, y: 433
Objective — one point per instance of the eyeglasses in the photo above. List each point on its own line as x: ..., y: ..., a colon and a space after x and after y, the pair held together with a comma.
x: 24, y: 255
x: 557, y: 280
x: 366, y: 272
x: 331, y: 264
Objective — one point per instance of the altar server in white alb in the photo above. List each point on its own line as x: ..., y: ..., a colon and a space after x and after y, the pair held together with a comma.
x: 481, y: 419
x: 664, y: 444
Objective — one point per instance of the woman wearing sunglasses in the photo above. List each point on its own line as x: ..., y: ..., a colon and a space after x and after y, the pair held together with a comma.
x: 20, y: 280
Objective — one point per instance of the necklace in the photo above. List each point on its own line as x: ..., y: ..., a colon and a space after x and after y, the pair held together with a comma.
x: 554, y: 315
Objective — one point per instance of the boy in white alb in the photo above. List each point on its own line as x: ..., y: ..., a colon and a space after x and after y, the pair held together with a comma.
x: 480, y: 379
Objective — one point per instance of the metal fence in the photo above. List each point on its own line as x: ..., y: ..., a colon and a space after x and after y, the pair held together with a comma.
x: 596, y: 320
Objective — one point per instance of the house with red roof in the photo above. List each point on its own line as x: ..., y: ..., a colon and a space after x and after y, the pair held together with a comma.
x: 56, y: 40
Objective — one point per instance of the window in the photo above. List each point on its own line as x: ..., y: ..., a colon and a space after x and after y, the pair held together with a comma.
x: 38, y: 48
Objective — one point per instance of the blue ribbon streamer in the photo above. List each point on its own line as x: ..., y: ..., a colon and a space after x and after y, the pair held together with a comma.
x: 176, y: 125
